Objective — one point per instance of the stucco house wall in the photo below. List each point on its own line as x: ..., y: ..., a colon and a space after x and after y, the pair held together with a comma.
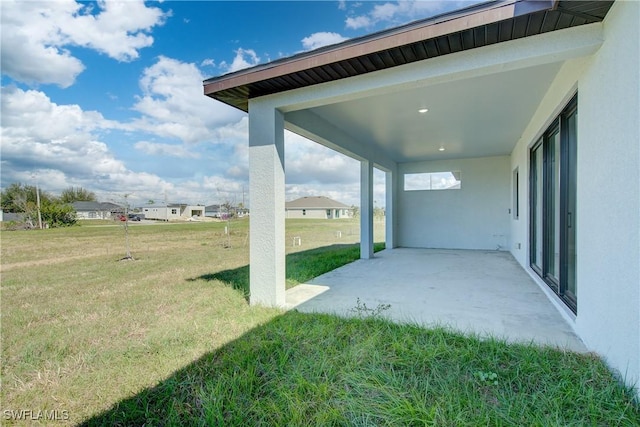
x: 307, y: 213
x: 93, y: 215
x: 316, y: 207
x: 318, y: 213
x: 608, y: 188
x: 475, y: 216
x: 609, y: 194
x: 193, y: 210
x: 173, y: 212
x: 162, y: 213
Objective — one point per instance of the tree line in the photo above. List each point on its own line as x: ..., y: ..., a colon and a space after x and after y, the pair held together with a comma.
x: 55, y: 211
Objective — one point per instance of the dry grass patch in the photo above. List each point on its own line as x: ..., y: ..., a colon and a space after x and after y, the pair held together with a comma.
x: 81, y: 330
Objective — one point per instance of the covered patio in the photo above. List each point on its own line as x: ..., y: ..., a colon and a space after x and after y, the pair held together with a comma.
x: 450, y: 95
x: 479, y: 292
x: 529, y: 109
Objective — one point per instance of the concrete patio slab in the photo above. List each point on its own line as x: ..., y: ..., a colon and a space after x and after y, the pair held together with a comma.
x: 481, y: 292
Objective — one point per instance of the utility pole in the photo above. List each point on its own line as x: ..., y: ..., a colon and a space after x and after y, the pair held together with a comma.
x: 126, y: 227
x: 33, y: 175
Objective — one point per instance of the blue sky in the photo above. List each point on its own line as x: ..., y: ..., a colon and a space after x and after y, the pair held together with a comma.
x: 108, y: 95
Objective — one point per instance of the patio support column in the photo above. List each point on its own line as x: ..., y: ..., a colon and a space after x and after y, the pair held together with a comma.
x: 267, y: 223
x: 366, y: 209
x: 391, y: 185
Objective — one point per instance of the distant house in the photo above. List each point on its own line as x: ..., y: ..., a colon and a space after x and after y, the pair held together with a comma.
x: 218, y: 211
x: 318, y: 207
x: 10, y: 216
x: 96, y: 210
x: 214, y: 211
x: 173, y: 211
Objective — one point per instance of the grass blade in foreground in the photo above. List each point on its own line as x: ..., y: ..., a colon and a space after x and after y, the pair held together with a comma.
x: 302, y: 369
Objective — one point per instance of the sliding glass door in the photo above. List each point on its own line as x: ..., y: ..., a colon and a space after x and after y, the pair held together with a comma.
x: 569, y: 126
x: 553, y: 203
x: 537, y: 175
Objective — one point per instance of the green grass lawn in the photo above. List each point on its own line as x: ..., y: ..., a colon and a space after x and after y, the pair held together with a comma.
x: 317, y: 370
x: 169, y: 339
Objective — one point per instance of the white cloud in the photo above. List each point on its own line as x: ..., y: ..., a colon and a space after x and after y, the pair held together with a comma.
x: 208, y: 63
x: 237, y: 171
x: 238, y: 136
x: 387, y: 11
x: 173, y: 104
x: 161, y: 149
x: 222, y: 186
x: 21, y: 109
x: 40, y: 32
x: 309, y: 162
x: 244, y: 58
x: 315, y: 170
x: 233, y: 133
x: 317, y: 40
x: 399, y: 12
x: 119, y: 30
x: 358, y: 22
x: 64, y: 148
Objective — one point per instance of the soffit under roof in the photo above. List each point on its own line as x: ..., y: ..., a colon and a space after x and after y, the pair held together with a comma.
x: 481, y: 25
x: 476, y: 117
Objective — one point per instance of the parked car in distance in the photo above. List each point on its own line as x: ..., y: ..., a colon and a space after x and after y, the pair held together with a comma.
x: 133, y: 217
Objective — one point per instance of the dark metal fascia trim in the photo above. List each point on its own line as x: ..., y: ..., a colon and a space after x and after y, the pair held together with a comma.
x: 381, y: 41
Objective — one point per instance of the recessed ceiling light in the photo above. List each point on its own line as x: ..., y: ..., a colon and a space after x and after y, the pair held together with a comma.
x: 441, y: 148
x: 423, y: 110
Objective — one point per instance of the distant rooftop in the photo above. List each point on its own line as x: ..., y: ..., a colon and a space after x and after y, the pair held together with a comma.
x: 315, y: 202
x: 95, y: 206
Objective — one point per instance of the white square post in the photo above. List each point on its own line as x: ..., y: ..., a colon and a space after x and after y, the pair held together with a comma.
x: 391, y: 185
x: 267, y: 219
x: 366, y: 209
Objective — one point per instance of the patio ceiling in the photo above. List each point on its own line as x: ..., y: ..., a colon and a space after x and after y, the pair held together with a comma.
x: 476, y: 117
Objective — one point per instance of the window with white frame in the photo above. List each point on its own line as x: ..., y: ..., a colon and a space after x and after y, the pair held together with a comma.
x: 449, y: 180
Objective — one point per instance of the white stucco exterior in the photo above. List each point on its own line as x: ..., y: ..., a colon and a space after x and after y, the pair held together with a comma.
x: 316, y: 207
x: 608, y: 189
x: 608, y: 194
x: 366, y: 210
x: 92, y: 215
x: 474, y: 216
x: 173, y: 212
x: 267, y: 220
x: 599, y: 62
x: 311, y: 213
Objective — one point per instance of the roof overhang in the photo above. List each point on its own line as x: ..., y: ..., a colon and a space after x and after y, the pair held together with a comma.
x: 477, y: 26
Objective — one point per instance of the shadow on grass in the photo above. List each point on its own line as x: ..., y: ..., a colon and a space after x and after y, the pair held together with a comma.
x: 316, y: 369
x: 301, y: 266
